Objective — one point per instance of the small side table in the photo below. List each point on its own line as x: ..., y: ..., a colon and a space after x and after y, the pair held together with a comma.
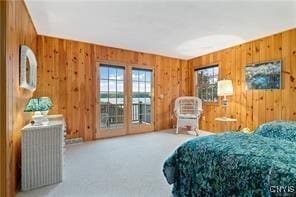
x: 226, y: 121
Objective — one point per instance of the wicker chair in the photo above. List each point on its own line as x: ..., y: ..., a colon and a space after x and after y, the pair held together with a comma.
x: 188, y: 110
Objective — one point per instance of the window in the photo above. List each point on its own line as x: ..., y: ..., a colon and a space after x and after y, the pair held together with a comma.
x: 206, y: 83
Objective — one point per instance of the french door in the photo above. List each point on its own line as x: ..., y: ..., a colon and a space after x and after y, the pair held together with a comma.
x: 125, y: 100
x: 111, y: 102
x: 141, y: 100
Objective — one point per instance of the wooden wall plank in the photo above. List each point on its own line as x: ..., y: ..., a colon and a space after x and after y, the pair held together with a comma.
x: 253, y: 107
x: 293, y: 75
x: 269, y: 93
x: 286, y: 73
x: 262, y: 97
x: 277, y: 54
x: 238, y: 85
x: 249, y: 93
x: 3, y: 99
x: 232, y: 76
x: 256, y: 93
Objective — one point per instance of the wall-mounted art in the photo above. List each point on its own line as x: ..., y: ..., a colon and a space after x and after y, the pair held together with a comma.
x: 28, y: 68
x: 265, y: 75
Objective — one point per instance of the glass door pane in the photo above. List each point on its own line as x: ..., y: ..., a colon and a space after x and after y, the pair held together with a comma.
x: 141, y: 96
x: 112, y: 103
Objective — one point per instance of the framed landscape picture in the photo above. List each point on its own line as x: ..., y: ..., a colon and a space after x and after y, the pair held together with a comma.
x: 265, y: 75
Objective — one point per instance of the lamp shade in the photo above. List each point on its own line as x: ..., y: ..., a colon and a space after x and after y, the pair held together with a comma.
x: 225, y: 88
x: 38, y: 104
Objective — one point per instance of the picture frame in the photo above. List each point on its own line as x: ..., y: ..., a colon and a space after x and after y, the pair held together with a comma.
x: 264, y: 75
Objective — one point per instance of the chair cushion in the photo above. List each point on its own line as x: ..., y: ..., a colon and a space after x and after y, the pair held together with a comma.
x: 187, y: 116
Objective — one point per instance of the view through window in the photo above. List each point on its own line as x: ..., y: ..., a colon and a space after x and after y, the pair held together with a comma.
x: 112, y: 96
x: 206, y: 83
x: 141, y: 90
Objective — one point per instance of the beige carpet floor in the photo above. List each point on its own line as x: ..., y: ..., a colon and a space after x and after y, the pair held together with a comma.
x: 129, y: 166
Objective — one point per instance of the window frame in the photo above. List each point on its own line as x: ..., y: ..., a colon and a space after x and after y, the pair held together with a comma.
x: 196, y: 68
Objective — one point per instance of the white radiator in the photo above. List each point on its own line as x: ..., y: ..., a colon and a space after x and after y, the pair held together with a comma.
x: 42, y: 155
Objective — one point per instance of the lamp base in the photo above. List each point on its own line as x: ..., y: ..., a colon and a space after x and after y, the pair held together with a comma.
x: 225, y: 102
x: 37, y: 118
x: 45, y: 118
x: 224, y: 105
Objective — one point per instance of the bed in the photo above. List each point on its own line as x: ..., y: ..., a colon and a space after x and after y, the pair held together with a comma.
x: 236, y: 164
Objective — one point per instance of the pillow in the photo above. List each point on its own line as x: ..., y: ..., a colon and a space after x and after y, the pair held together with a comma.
x: 284, y: 130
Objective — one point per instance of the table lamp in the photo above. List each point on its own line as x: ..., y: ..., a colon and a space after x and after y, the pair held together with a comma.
x: 38, y: 105
x: 225, y: 88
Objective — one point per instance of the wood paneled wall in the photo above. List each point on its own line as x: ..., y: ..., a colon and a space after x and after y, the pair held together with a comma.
x: 253, y: 107
x: 19, y: 30
x: 67, y: 74
x: 3, y: 144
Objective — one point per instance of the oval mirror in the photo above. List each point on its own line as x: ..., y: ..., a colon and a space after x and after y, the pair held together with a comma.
x: 28, y: 69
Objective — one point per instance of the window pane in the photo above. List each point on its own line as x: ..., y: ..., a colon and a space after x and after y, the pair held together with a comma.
x: 104, y: 96
x: 215, y: 70
x: 141, y: 86
x: 148, y: 87
x: 120, y: 74
x: 112, y: 73
x: 211, y: 93
x: 203, y: 94
x: 135, y: 75
x: 207, y: 72
x: 104, y: 85
x: 207, y: 79
x: 135, y: 99
x: 148, y: 76
x: 104, y: 72
x: 215, y: 93
x: 206, y: 94
x: 120, y: 112
x: 199, y: 77
x: 119, y: 99
x: 112, y: 99
x: 135, y: 86
x: 198, y: 93
x: 147, y: 100
x: 119, y: 86
x: 215, y: 79
x: 141, y: 100
x: 142, y: 75
x: 112, y: 86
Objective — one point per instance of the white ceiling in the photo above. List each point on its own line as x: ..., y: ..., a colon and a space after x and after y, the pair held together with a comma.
x: 183, y: 29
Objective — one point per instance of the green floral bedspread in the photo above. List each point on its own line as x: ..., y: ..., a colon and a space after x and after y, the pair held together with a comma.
x: 233, y: 164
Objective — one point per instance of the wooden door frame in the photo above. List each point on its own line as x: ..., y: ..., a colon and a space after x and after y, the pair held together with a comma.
x: 106, y: 133
x: 133, y: 129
